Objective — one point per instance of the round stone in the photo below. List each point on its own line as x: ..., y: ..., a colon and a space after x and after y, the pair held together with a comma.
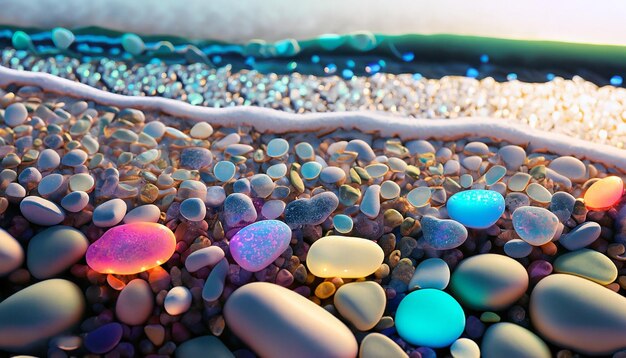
x: 154, y: 129
x: 131, y: 248
x: 239, y: 210
x: 277, y: 322
x: 209, y: 346
x: 478, y: 209
x: 578, y: 314
x: 581, y: 236
x: 514, y: 200
x: 133, y: 44
x: 430, y: 273
x: 539, y: 193
x: 135, y: 302
x: 332, y: 175
x: 277, y: 147
x: 109, y: 213
x: 589, y: 264
x: 75, y: 201
x: 376, y: 345
x: 389, y: 190
x: 305, y: 151
x: 277, y: 171
x: 363, y: 150
x: 81, y: 182
x: 15, y: 114
x: 341, y: 256
x: 569, y: 167
x: 310, y: 170
x: 562, y: 205
x: 519, y: 181
x: 604, y: 194
x: 464, y: 348
x: 196, y: 158
x: 517, y: 248
x: 224, y: 171
x: 15, y: 191
x: 148, y: 213
x: 193, y: 209
x: 377, y: 170
x: 48, y: 159
x: 41, y: 211
x: 535, y: 225
x: 74, y: 158
x: 272, y: 209
x: 419, y: 196
x: 420, y: 146
x: 177, y: 301
x: 442, y: 234
x: 62, y: 38
x: 489, y: 282
x: 50, y: 184
x: 54, y: 250
x: 104, y: 338
x: 430, y: 318
x: 215, y: 196
x: 11, y: 253
x: 208, y: 256
x: 257, y: 245
x: 342, y: 223
x: 510, y: 340
x: 494, y: 174
x: 262, y: 185
x: 361, y: 303
x: 513, y: 156
x: 31, y: 316
x: 201, y: 130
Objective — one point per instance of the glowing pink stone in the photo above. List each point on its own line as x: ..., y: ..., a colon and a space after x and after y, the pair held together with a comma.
x: 257, y: 245
x: 131, y: 248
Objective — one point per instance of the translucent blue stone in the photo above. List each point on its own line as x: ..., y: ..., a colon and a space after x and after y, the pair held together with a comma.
x: 477, y: 209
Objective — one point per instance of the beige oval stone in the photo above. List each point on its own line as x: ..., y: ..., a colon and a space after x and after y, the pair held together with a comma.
x: 11, y: 253
x: 277, y: 322
x: 510, y: 340
x: 361, y: 303
x: 343, y: 256
x: 135, y: 302
x: 589, y: 264
x: 376, y: 345
x: 578, y: 314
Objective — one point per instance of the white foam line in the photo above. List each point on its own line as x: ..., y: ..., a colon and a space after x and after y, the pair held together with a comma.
x: 270, y: 120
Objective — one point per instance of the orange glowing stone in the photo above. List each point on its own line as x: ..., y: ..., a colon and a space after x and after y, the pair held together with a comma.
x: 131, y: 248
x: 604, y: 193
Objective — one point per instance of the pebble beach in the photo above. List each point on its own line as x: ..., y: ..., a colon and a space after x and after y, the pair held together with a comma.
x: 132, y: 232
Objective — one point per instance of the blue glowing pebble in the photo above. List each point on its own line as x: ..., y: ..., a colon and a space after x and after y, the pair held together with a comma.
x: 257, y: 245
x: 477, y: 209
x: 430, y: 318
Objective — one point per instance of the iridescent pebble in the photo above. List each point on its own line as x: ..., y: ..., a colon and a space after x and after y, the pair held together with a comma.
x: 209, y: 346
x: 201, y: 130
x: 518, y: 181
x: 578, y: 314
x: 238, y: 210
x: 515, y: 200
x: 196, y: 158
x: 224, y: 171
x: 377, y: 170
x: 40, y: 211
x: 131, y: 248
x: 539, y: 193
x: 478, y: 209
x: 361, y: 303
x: 364, y: 151
x: 207, y: 256
x: 54, y: 250
x: 376, y: 345
x: 32, y: 315
x: 570, y: 167
x: 262, y: 185
x: 562, y: 205
x: 333, y: 175
x: 420, y: 147
x: 277, y: 322
x: 430, y: 318
x: 604, y: 194
x: 370, y: 204
x: 148, y: 213
x: 81, y: 182
x: 50, y: 184
x: 342, y: 256
x: 277, y: 147
x: 305, y: 151
x: 74, y: 158
x: 109, y: 213
x: 419, y: 196
x: 389, y: 190
x: 535, y: 225
x: 442, y: 234
x: 15, y: 114
x: 430, y: 273
x: 154, y: 129
x: 589, y: 264
x: 11, y: 253
x: 272, y: 209
x: 581, y: 236
x: 310, y: 170
x: 277, y: 171
x: 214, y: 284
x: 489, y: 282
x: 104, y: 338
x: 517, y: 248
x: 135, y: 302
x: 510, y: 340
x: 257, y: 245
x: 313, y: 211
x: 177, y: 301
x: 75, y: 201
x: 215, y: 196
x: 513, y: 156
x: 464, y: 348
x: 342, y: 223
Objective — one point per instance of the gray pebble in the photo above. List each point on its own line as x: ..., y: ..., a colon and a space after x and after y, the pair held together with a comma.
x: 262, y: 185
x: 74, y: 158
x: 420, y: 147
x: 570, y: 167
x: 581, y: 236
x: 109, y: 213
x: 75, y: 201
x: 562, y: 205
x: 15, y: 114
x: 313, y: 211
x: 238, y: 210
x: 40, y: 211
x: 517, y: 248
x: 513, y: 156
x: 365, y: 152
x: 144, y: 213
x: 193, y: 209
x: 48, y: 160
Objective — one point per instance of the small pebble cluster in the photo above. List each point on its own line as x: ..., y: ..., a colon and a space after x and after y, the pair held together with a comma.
x: 575, y: 107
x: 138, y: 234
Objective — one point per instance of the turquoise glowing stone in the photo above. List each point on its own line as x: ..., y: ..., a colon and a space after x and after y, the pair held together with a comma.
x: 430, y: 317
x: 477, y: 209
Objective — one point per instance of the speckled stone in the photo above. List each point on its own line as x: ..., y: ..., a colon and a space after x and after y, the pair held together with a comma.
x: 535, y: 225
x: 442, y: 234
x: 238, y: 210
x: 196, y: 158
x: 313, y: 211
x: 109, y: 213
x: 257, y: 245
x: 40, y: 211
x: 478, y: 209
x: 54, y: 250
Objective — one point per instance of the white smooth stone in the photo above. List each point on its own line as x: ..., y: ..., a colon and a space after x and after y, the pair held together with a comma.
x: 148, y: 213
x: 40, y: 211
x: 207, y: 256
x: 177, y: 301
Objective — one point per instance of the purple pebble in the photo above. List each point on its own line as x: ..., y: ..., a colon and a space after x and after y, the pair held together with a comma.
x: 104, y: 338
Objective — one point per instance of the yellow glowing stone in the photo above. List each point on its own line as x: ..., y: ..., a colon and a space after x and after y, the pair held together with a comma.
x: 604, y: 193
